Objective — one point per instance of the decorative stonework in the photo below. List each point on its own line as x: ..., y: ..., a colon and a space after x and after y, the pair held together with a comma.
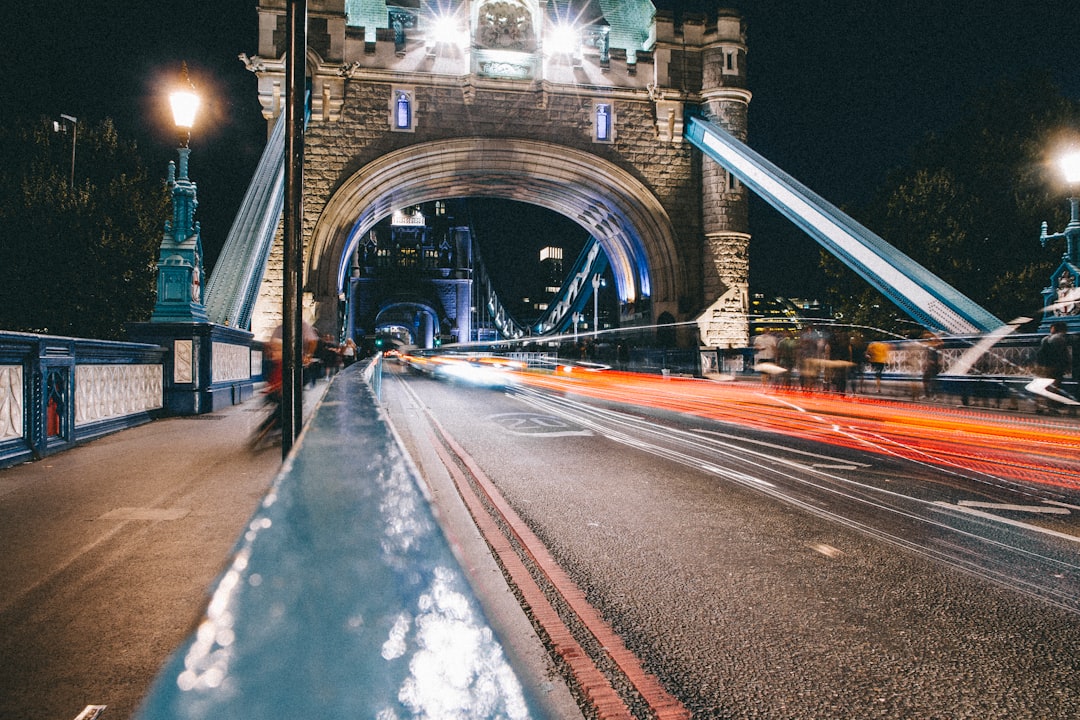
x: 11, y: 401
x: 505, y: 25
x: 256, y: 362
x: 183, y: 361
x: 231, y: 362
x: 103, y: 392
x: 723, y: 325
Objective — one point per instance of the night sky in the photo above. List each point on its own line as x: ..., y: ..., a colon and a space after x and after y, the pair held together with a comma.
x: 842, y: 90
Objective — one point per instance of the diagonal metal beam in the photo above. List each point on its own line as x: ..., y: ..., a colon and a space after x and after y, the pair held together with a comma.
x: 924, y: 296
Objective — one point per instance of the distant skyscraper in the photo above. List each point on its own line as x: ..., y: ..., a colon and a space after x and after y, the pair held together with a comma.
x: 551, y: 277
x: 551, y: 260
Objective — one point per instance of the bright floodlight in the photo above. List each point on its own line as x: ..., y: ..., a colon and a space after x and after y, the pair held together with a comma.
x: 445, y: 31
x: 1070, y: 165
x: 564, y: 39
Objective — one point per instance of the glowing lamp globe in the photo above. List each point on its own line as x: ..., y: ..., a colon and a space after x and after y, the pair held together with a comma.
x: 1070, y: 167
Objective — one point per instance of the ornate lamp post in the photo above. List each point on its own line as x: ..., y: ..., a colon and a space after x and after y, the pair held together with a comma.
x: 1062, y: 299
x: 208, y: 366
x: 180, y: 269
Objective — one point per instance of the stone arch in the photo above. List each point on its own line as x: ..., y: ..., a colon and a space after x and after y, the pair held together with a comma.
x: 393, y: 312
x: 623, y: 215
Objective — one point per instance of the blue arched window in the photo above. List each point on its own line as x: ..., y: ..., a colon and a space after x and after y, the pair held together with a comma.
x: 603, y: 122
x: 402, y: 110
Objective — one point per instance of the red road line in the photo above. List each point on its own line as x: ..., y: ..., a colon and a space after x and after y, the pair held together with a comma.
x: 601, y: 695
x: 665, y: 705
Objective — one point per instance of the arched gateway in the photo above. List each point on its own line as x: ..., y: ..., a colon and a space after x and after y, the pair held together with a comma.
x: 577, y: 107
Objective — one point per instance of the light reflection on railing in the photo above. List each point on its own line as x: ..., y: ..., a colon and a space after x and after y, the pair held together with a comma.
x: 342, y: 598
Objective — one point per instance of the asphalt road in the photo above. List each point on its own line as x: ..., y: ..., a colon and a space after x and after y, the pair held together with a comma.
x: 764, y: 577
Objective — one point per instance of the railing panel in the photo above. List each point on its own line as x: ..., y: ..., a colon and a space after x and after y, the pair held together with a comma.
x: 12, y: 402
x: 56, y: 391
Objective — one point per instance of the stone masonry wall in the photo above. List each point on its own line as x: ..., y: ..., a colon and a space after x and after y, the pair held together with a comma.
x: 336, y: 150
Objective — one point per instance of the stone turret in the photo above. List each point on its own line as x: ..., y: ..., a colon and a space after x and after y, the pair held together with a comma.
x: 725, y: 101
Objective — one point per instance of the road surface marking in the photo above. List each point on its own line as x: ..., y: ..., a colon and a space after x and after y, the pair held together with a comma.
x: 1015, y: 508
x: 1007, y: 521
x: 827, y: 550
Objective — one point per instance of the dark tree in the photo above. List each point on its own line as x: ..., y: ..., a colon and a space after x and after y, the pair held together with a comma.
x: 969, y: 203
x: 76, y: 260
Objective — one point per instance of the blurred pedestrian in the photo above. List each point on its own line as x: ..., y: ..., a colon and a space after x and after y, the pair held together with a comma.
x: 877, y: 354
x: 838, y: 355
x: 787, y: 353
x: 1054, y: 356
x: 765, y: 355
x: 348, y: 352
x: 810, y: 354
x: 329, y: 356
x: 931, y: 364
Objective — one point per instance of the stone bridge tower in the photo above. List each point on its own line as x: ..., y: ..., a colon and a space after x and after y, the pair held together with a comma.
x: 577, y: 106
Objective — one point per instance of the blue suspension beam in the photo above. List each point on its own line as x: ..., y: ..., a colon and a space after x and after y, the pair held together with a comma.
x: 924, y: 296
x: 238, y: 273
x: 575, y: 292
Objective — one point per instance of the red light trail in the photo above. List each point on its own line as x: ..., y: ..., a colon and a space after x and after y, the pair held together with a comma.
x: 1033, y: 450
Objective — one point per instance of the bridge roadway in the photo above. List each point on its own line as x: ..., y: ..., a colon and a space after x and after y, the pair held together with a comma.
x: 845, y: 567
x: 743, y: 609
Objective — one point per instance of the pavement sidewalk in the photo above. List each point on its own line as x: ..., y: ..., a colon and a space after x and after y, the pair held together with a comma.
x: 109, y: 549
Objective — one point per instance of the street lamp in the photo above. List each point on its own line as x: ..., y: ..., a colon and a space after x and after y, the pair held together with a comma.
x: 1070, y: 167
x: 1062, y: 298
x: 74, y: 136
x: 180, y: 270
x: 597, y: 283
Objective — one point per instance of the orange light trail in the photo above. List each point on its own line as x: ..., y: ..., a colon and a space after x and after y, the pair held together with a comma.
x: 1031, y: 450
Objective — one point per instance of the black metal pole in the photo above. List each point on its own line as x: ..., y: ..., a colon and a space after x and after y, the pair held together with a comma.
x: 292, y: 335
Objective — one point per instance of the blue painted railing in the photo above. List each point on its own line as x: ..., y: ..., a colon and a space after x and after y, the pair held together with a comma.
x: 56, y: 392
x: 342, y: 599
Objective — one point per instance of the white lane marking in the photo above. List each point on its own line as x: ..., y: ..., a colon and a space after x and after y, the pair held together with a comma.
x: 1007, y: 521
x: 827, y: 550
x: 734, y: 474
x: 791, y: 450
x: 1061, y: 504
x: 1016, y: 508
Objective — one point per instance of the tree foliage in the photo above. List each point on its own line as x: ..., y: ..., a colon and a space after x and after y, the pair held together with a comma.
x: 76, y: 260
x: 969, y: 203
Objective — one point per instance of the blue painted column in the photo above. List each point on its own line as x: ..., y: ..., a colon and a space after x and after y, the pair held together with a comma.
x: 195, y: 381
x: 1061, y: 300
x: 180, y: 269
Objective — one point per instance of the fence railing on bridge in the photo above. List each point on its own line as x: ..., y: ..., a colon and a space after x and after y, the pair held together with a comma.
x: 343, y: 598
x: 58, y: 391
